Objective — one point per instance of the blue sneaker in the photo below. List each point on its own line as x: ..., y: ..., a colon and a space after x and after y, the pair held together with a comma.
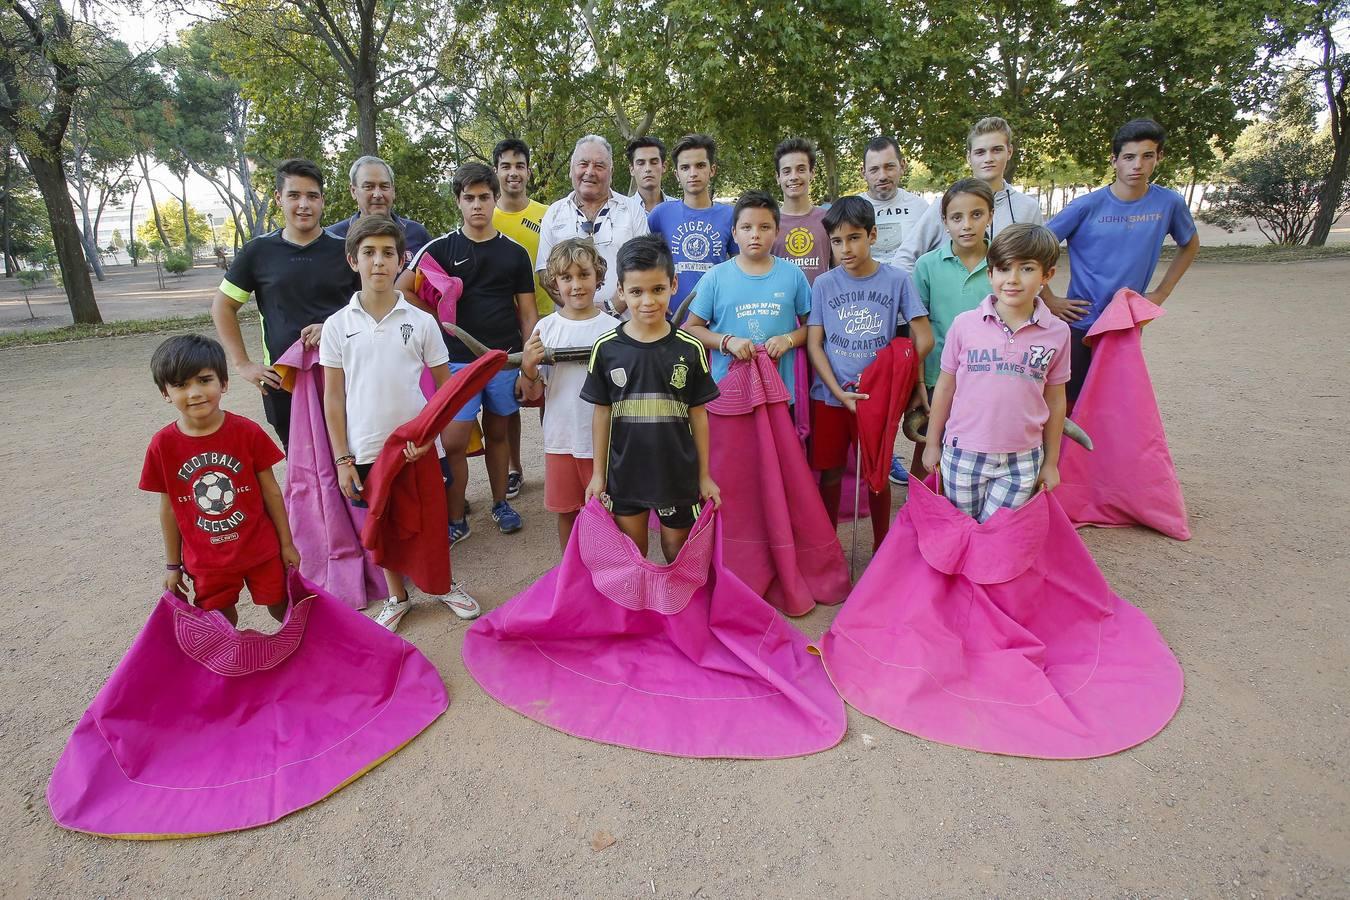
x: 898, y: 473
x: 507, y: 519
x: 459, y: 530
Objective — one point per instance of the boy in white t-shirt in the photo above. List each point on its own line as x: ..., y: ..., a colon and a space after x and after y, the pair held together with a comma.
x: 573, y: 274
x: 373, y: 352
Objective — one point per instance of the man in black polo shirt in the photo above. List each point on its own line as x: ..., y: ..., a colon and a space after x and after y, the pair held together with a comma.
x: 497, y: 307
x: 299, y: 276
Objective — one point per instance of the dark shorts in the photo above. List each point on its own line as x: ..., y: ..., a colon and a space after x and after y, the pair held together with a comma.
x: 363, y: 471
x: 1080, y: 359
x: 277, y: 408
x: 670, y: 516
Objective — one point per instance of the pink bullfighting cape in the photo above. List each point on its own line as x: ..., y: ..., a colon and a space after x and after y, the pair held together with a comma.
x: 1001, y: 637
x: 776, y: 535
x: 681, y: 659
x: 327, y: 529
x: 1128, y: 478
x: 203, y: 729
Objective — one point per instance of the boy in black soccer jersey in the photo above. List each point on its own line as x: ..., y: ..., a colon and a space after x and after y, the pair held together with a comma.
x: 649, y: 383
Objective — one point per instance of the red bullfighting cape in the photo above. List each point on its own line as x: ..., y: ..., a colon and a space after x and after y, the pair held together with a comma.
x: 203, y: 729
x: 681, y: 659
x: 1129, y: 477
x: 776, y: 535
x: 406, y: 528
x: 327, y: 529
x: 888, y: 383
x: 1002, y: 637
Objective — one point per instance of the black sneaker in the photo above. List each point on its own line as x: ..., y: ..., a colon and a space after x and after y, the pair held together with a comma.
x: 514, y: 482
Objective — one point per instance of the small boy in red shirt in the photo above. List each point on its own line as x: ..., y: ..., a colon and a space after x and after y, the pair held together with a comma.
x: 220, y: 508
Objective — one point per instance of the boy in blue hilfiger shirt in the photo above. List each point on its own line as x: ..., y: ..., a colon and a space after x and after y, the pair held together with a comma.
x: 697, y: 230
x: 1115, y: 237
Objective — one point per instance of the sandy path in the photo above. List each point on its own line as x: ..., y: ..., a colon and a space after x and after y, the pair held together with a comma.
x: 1245, y: 794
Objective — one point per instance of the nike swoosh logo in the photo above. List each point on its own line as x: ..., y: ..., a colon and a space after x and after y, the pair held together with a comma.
x: 460, y: 262
x: 353, y: 334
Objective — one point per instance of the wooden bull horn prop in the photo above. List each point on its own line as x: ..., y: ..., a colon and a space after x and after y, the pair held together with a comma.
x: 552, y: 355
x: 915, y: 428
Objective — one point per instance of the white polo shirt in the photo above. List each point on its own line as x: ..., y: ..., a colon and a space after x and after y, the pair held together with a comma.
x: 382, y: 363
x: 620, y: 219
x: 895, y: 217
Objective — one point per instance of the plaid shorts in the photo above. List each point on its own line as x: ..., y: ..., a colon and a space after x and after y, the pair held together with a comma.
x: 980, y: 484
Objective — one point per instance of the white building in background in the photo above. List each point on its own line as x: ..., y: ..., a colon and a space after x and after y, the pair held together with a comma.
x: 117, y: 217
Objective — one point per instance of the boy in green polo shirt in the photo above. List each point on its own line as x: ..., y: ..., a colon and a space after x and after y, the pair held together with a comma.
x: 954, y: 277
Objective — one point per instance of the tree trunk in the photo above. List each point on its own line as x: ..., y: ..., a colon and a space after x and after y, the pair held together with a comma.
x: 1329, y: 199
x: 51, y: 182
x: 187, y: 226
x: 154, y: 204
x: 829, y: 155
x: 131, y: 228
x: 364, y: 92
x: 88, y: 241
x: 8, y: 224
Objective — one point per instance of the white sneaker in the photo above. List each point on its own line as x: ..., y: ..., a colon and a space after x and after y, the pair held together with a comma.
x: 392, y: 612
x: 460, y: 603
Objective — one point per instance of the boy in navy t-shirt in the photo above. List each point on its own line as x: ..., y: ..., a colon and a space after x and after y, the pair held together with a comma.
x: 697, y: 230
x: 1115, y: 236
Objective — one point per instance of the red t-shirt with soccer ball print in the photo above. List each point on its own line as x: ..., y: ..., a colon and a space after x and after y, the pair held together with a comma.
x: 213, y: 483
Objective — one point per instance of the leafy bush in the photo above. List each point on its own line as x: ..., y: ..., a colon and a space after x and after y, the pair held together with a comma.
x: 176, y: 262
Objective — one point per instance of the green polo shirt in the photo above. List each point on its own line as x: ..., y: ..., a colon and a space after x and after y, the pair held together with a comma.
x: 948, y: 289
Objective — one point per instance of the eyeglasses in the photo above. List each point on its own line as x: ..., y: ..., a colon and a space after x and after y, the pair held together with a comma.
x: 592, y: 228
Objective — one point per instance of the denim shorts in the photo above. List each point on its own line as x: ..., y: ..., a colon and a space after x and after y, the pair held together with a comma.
x: 498, y: 398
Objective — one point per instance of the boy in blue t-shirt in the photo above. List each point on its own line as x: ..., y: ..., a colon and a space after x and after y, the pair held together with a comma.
x: 857, y: 308
x: 1115, y: 236
x: 753, y: 300
x: 697, y: 230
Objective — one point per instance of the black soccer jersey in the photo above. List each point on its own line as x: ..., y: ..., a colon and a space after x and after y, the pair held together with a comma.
x: 294, y: 285
x: 649, y: 388
x: 494, y: 272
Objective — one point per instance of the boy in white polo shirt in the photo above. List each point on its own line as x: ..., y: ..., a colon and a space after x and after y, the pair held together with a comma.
x: 373, y: 352
x: 998, y: 408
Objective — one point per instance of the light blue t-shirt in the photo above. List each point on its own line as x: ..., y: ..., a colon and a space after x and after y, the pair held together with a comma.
x: 698, y: 239
x: 753, y: 306
x: 1115, y: 243
x: 860, y: 316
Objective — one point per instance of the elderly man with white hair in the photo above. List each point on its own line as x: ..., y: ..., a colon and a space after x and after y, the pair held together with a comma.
x: 372, y: 182
x: 594, y: 211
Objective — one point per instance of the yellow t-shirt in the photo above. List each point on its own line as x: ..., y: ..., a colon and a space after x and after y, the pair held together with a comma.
x: 523, y: 228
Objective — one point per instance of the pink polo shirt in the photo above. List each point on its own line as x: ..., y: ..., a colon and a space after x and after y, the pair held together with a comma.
x: 1001, y: 376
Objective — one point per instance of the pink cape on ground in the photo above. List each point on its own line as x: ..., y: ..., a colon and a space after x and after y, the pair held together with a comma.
x: 1002, y: 637
x: 1129, y: 477
x: 203, y: 729
x: 776, y: 535
x: 325, y: 526
x: 681, y: 659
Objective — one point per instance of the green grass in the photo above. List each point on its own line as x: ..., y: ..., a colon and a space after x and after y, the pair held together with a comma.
x: 67, y: 333
x: 1262, y: 253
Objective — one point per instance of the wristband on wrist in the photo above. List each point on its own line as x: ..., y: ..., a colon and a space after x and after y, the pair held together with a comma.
x: 174, y: 567
x: 344, y: 460
x: 726, y: 339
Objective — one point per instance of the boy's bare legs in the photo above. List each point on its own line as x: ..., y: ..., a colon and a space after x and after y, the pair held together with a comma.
x: 672, y: 539
x: 277, y: 610
x: 831, y: 490
x: 455, y: 439
x: 566, y: 521
x: 513, y: 433
x: 916, y: 468
x: 230, y: 613
x: 496, y: 454
x: 394, y: 582
x: 635, y: 526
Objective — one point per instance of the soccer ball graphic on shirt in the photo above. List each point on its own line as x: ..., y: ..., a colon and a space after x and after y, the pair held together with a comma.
x: 214, y: 493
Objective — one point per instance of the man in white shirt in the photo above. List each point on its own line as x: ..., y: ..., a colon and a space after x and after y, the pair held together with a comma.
x: 647, y: 163
x: 897, y: 210
x: 592, y: 210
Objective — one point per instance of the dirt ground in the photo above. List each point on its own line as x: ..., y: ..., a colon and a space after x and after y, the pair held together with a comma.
x: 1245, y: 794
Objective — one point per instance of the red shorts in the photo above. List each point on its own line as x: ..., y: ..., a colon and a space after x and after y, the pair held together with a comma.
x: 565, y: 480
x: 220, y: 590
x: 833, y: 429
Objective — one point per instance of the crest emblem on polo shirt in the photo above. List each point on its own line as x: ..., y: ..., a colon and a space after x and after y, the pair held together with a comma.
x: 406, y: 330
x: 679, y: 374
x: 619, y: 377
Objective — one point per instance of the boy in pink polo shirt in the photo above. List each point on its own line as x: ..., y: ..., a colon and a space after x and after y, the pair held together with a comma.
x: 998, y: 408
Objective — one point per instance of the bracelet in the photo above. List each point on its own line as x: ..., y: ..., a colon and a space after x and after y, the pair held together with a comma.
x: 174, y: 567
x: 726, y: 338
x: 789, y: 338
x: 534, y: 380
x: 344, y: 460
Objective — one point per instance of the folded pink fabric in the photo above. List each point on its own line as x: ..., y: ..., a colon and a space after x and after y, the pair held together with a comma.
x: 326, y: 528
x: 203, y: 729
x: 776, y: 535
x: 681, y: 659
x: 1001, y: 637
x: 1128, y: 478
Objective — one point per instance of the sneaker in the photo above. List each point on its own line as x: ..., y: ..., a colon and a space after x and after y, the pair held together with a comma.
x: 898, y: 473
x: 460, y: 603
x: 460, y: 530
x: 514, y: 482
x: 392, y: 612
x: 507, y: 519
